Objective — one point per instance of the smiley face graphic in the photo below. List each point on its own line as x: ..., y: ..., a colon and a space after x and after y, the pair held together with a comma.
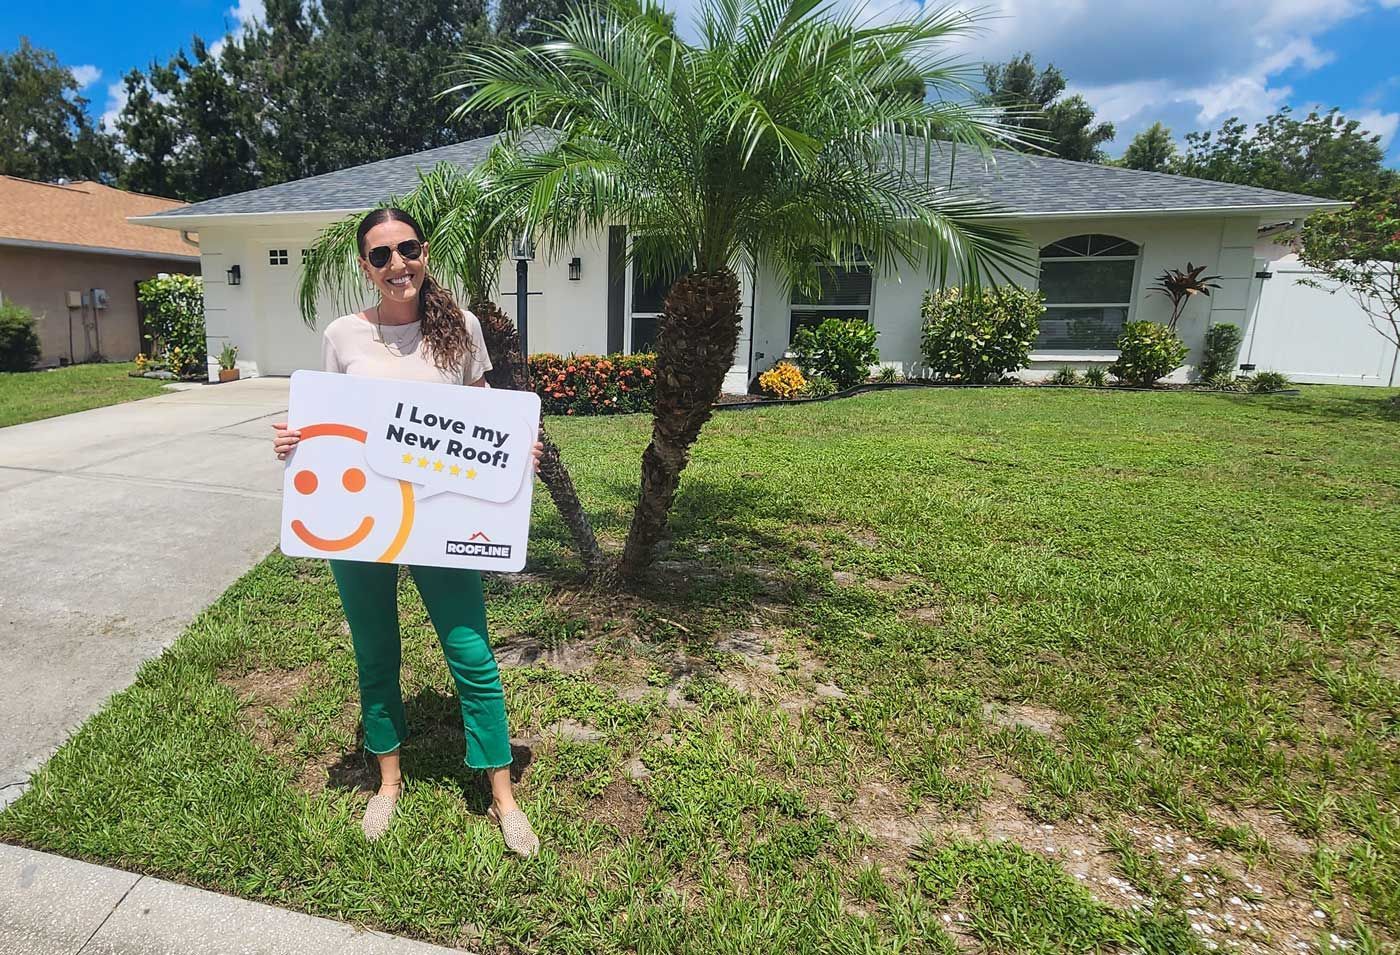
x: 329, y: 475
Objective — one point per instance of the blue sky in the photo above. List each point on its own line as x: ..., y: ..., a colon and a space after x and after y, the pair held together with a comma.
x: 1191, y: 63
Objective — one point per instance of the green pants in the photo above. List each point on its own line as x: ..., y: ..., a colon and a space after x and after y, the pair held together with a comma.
x: 369, y: 594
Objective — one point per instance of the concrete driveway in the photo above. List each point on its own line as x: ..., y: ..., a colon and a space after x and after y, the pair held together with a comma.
x: 117, y: 526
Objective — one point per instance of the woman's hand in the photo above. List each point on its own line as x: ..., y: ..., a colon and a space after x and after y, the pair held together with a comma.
x: 535, y: 454
x: 285, y: 440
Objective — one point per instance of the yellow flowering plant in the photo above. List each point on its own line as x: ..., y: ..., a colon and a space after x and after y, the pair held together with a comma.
x: 783, y: 380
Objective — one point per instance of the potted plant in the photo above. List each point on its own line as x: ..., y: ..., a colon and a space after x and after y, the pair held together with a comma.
x: 228, y: 359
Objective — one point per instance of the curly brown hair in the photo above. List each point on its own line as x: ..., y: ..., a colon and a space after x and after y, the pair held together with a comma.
x: 444, y: 324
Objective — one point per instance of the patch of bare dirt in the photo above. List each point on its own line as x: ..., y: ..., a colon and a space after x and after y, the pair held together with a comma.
x: 621, y: 806
x: 1231, y: 906
x: 1038, y: 719
x: 261, y: 691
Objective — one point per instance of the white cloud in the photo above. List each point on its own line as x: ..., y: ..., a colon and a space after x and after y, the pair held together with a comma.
x: 216, y: 49
x: 85, y: 75
x: 116, y: 101
x: 1382, y: 124
x: 1190, y: 64
x: 247, y: 11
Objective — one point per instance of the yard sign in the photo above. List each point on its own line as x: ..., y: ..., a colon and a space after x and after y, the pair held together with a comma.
x: 408, y: 472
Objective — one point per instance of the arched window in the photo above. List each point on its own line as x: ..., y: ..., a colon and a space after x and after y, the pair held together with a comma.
x: 1088, y: 283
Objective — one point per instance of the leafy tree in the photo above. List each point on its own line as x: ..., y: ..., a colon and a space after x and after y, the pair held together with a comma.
x: 522, y: 20
x: 469, y: 229
x: 1151, y: 150
x: 1323, y: 154
x: 189, y: 128
x: 1031, y: 101
x: 45, y: 133
x: 309, y: 89
x: 775, y: 138
x: 344, y: 82
x: 1359, y: 249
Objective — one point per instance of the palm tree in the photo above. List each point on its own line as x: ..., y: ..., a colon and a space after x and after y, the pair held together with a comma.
x: 469, y: 230
x: 790, y: 134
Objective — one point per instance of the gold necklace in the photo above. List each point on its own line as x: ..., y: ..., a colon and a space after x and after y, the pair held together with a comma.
x: 384, y: 341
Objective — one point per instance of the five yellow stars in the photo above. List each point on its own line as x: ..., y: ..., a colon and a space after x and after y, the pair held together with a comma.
x: 454, y: 470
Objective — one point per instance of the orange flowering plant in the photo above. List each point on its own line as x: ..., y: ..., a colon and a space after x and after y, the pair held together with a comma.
x: 594, y: 384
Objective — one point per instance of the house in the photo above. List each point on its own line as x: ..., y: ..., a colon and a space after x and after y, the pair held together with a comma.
x: 1104, y: 235
x: 69, y: 254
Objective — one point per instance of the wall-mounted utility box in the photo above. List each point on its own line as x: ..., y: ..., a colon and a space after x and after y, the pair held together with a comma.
x: 75, y: 299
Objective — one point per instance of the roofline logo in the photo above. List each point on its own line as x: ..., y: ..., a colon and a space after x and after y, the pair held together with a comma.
x: 478, y: 545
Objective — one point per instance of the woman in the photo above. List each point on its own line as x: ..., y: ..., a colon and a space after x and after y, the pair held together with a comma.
x: 417, y: 333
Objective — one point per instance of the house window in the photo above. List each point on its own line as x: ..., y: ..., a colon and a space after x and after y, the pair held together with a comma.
x: 1088, y: 282
x: 845, y: 293
x: 648, y: 297
x: 276, y: 256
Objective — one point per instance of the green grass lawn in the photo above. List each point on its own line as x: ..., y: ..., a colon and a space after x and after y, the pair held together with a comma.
x: 31, y: 395
x: 924, y: 671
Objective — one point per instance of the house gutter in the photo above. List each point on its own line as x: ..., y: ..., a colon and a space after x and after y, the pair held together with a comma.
x: 194, y: 222
x: 1289, y: 212
x: 95, y: 250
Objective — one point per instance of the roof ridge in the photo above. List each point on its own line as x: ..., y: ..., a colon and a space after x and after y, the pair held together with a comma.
x: 131, y: 192
x: 66, y: 186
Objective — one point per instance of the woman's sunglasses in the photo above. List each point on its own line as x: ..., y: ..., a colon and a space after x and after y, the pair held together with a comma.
x: 380, y: 255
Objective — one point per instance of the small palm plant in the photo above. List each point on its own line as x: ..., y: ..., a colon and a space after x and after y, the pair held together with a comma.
x: 1181, y: 286
x: 790, y: 134
x: 469, y: 230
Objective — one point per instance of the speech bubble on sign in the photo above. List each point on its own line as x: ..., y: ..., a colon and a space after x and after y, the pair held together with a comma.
x: 450, y: 447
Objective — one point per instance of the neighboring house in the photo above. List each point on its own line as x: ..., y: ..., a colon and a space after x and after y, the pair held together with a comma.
x: 1104, y: 235
x: 69, y: 254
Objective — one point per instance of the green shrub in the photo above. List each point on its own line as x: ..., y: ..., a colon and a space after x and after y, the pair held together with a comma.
x: 1065, y: 376
x: 1269, y: 381
x: 1146, y: 352
x: 888, y: 375
x: 978, y: 335
x: 842, y: 349
x: 594, y: 384
x: 1224, y: 380
x: 175, y: 311
x: 1095, y: 377
x: 19, y: 342
x: 819, y: 386
x: 1221, y: 349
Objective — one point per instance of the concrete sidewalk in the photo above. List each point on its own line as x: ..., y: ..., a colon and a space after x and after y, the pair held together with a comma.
x: 50, y: 905
x: 117, y: 526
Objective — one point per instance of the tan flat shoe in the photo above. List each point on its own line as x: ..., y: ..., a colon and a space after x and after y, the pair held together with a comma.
x: 378, y: 814
x: 519, y: 837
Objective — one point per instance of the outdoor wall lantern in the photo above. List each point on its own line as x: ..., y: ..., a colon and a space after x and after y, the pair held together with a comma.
x: 235, y: 275
x: 575, y: 269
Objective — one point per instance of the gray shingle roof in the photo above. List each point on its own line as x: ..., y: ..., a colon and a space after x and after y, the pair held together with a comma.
x: 359, y: 187
x: 1022, y: 184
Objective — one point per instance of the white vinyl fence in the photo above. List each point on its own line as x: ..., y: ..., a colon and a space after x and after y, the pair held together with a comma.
x: 1312, y: 336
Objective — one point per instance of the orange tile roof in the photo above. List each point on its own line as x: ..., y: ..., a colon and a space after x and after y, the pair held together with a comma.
x: 85, y: 213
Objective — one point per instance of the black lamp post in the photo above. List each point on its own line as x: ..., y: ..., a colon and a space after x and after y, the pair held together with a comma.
x: 523, y: 251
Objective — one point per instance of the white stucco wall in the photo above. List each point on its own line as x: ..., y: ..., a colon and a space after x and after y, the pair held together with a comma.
x: 567, y: 317
x: 262, y: 318
x: 261, y: 315
x: 1225, y: 245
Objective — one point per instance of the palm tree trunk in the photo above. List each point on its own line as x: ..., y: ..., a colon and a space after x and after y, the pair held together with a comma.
x: 694, y: 348
x: 511, y: 371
